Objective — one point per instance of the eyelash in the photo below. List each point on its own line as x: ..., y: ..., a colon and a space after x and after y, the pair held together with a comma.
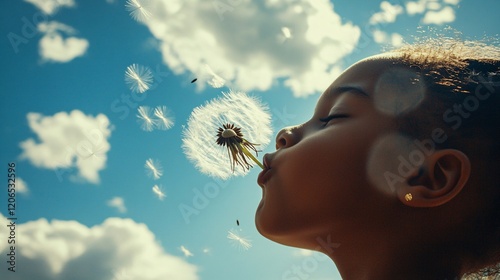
x: 326, y: 120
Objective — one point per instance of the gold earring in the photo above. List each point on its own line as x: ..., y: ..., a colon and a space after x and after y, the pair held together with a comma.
x: 408, y: 197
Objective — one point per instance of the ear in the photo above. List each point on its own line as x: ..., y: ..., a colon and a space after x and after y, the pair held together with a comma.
x: 441, y: 177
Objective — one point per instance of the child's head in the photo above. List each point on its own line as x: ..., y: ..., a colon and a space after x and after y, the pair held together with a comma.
x: 398, y: 162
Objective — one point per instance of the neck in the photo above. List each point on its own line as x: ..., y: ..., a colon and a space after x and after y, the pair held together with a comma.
x: 393, y: 260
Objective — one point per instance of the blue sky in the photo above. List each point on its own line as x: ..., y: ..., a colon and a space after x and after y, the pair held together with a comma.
x: 63, y: 90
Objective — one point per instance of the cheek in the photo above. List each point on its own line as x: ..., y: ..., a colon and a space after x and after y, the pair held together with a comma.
x: 325, y: 179
x: 288, y: 196
x: 332, y: 160
x: 311, y: 185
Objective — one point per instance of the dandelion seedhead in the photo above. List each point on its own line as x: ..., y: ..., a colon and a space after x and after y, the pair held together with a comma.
x: 235, y: 110
x: 164, y: 122
x: 153, y: 168
x: 139, y: 78
x: 145, y: 119
x: 238, y: 241
x: 138, y: 10
x: 231, y: 137
x: 158, y: 192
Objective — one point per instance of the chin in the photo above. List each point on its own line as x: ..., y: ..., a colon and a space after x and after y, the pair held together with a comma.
x: 266, y: 225
x: 276, y: 229
x: 283, y: 238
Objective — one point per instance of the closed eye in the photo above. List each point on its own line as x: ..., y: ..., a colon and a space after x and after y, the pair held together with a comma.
x: 326, y: 120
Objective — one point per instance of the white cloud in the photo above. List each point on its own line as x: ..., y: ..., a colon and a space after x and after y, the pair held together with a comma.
x: 68, y: 140
x: 452, y: 2
x: 21, y: 186
x: 51, y: 7
x: 241, y: 42
x: 59, y: 250
x: 426, y: 6
x: 118, y: 203
x: 396, y: 39
x: 446, y: 15
x: 416, y: 7
x: 55, y: 26
x: 388, y: 13
x: 379, y: 36
x: 383, y: 38
x: 56, y: 48
x: 434, y: 6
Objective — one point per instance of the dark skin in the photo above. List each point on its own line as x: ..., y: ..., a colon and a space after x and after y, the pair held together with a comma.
x: 323, y: 186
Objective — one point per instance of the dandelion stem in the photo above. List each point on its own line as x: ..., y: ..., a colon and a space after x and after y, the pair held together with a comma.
x: 249, y: 154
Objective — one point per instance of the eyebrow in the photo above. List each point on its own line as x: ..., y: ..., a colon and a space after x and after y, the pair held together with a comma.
x: 336, y: 91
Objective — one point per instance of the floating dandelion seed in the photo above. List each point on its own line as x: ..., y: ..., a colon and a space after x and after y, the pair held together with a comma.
x: 194, y: 80
x: 199, y: 141
x: 137, y: 9
x: 153, y: 168
x: 145, y: 119
x: 158, y: 192
x: 238, y: 240
x: 164, y: 122
x: 286, y: 32
x: 238, y: 222
x: 186, y: 252
x: 231, y: 137
x: 139, y: 78
x: 215, y: 80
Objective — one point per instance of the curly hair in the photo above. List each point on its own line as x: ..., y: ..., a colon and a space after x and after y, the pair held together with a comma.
x: 462, y: 80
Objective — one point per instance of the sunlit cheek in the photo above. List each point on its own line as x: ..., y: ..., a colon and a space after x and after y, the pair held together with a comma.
x: 398, y: 90
x: 393, y: 159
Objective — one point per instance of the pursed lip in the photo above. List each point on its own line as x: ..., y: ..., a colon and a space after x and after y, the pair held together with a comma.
x: 265, y: 174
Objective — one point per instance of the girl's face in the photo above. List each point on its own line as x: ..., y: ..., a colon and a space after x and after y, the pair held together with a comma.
x: 317, y: 183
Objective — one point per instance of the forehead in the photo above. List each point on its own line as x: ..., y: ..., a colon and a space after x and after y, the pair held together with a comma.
x: 366, y: 72
x: 392, y: 86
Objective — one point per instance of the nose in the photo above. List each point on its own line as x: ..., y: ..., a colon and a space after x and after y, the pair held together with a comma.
x: 287, y: 137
